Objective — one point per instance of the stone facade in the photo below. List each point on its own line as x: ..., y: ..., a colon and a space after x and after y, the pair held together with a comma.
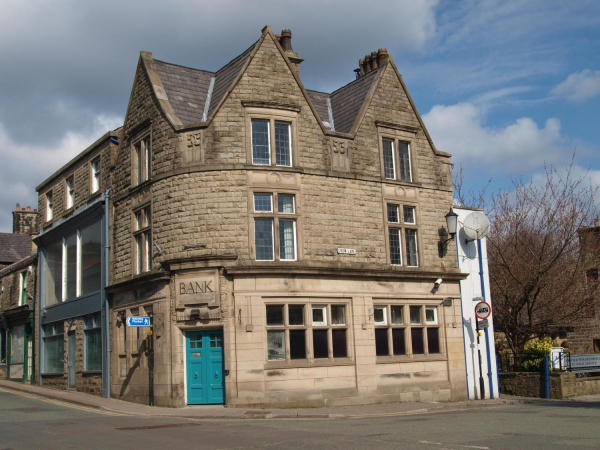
x: 200, y: 189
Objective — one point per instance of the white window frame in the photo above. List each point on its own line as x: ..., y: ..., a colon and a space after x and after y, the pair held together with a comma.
x: 142, y: 239
x: 23, y: 287
x: 70, y: 191
x: 141, y: 159
x: 435, y: 316
x: 402, y: 225
x: 394, y: 166
x: 317, y: 307
x: 49, y: 207
x: 96, y: 169
x: 276, y: 217
x: 384, y: 321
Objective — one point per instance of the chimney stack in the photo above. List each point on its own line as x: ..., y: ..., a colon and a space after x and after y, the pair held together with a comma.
x: 25, y: 221
x: 285, y: 40
x: 371, y: 62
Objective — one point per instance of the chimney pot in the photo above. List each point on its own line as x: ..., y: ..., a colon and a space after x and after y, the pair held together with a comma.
x: 382, y: 55
x: 374, y: 60
x: 29, y: 208
x: 596, y: 222
x: 368, y: 65
x: 361, y: 66
x: 286, y: 40
x: 18, y: 207
x: 34, y: 209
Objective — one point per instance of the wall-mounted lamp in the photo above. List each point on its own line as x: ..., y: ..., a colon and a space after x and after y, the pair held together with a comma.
x: 451, y: 224
x: 120, y: 314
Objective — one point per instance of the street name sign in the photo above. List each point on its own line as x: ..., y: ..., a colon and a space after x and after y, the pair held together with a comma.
x: 483, y: 310
x: 134, y: 321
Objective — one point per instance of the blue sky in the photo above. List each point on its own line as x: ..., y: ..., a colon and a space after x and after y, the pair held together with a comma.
x: 505, y: 86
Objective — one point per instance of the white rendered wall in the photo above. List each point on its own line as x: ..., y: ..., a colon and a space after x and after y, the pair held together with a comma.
x: 468, y: 261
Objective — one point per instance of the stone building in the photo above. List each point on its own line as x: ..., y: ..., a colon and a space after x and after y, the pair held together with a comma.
x: 72, y: 334
x: 583, y: 334
x: 283, y: 241
x: 18, y: 262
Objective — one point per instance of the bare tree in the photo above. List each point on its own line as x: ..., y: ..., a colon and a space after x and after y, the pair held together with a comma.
x: 467, y: 197
x: 537, y: 268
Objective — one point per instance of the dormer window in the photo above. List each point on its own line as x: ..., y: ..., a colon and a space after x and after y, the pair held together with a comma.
x: 396, y: 160
x: 265, y: 152
x: 271, y: 137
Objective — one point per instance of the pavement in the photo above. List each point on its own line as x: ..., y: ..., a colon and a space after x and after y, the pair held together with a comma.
x: 221, y: 412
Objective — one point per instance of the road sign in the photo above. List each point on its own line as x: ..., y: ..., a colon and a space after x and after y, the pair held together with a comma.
x: 483, y: 324
x: 483, y: 310
x: 135, y: 321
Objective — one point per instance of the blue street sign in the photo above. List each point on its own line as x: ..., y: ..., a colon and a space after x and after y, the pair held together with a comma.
x: 134, y: 321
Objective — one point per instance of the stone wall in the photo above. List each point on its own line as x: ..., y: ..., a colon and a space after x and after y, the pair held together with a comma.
x: 562, y: 384
x: 25, y: 221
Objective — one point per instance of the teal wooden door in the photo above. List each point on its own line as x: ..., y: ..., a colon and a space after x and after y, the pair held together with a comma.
x: 204, y: 367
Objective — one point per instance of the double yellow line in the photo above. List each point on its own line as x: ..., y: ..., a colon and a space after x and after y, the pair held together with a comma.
x: 59, y: 403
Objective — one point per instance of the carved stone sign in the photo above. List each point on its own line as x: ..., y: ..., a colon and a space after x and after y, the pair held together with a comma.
x: 197, y: 288
x: 340, y: 155
x: 190, y: 145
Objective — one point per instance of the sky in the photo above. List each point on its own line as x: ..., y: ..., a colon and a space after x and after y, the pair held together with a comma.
x: 505, y: 86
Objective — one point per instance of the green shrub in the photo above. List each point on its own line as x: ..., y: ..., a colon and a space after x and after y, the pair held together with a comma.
x: 534, y: 353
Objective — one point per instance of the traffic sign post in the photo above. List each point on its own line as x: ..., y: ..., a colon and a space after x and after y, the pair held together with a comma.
x: 482, y: 311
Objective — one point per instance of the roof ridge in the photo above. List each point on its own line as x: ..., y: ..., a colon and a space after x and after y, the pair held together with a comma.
x: 354, y: 81
x: 184, y: 67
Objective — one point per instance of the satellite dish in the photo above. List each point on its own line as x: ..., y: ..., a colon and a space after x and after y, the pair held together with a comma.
x: 476, y: 226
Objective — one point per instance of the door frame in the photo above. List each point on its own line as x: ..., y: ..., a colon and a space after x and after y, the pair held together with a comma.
x: 185, y: 383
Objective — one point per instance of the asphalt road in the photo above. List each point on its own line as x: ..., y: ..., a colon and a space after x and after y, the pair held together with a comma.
x: 32, y: 423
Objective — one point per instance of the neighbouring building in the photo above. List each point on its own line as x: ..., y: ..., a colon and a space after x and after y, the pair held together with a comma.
x: 473, y: 261
x: 72, y: 331
x: 18, y: 262
x: 583, y: 334
x: 284, y: 241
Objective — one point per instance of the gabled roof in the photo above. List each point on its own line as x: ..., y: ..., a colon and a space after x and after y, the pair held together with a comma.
x: 347, y: 101
x: 319, y: 99
x: 225, y: 77
x: 14, y: 247
x: 186, y: 89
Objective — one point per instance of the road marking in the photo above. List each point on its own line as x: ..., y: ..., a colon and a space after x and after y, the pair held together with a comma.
x: 454, y: 445
x: 59, y: 403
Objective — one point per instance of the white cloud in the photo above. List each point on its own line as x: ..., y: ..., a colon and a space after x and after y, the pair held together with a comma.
x: 579, y: 86
x: 24, y: 166
x: 517, y: 148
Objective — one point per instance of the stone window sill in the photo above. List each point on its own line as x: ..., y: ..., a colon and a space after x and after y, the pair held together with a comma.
x: 408, y: 359
x: 305, y: 363
x: 91, y: 372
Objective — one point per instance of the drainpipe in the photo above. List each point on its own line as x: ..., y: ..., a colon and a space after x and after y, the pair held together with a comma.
x: 487, y: 335
x: 105, y: 306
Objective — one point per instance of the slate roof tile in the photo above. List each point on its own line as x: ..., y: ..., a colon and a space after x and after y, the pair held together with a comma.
x: 14, y: 247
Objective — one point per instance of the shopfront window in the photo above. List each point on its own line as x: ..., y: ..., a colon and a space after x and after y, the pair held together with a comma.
x: 54, y: 348
x: 17, y: 347
x: 93, y: 343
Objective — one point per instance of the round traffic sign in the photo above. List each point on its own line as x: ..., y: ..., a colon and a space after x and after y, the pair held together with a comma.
x: 483, y: 310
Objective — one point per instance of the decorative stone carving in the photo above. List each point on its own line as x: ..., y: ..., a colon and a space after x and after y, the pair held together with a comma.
x: 191, y: 147
x: 340, y: 155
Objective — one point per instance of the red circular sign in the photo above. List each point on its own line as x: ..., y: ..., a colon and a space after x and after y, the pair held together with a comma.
x: 483, y: 310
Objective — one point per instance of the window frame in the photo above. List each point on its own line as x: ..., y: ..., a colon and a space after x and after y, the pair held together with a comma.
x: 402, y: 226
x: 142, y: 240
x: 96, y: 319
x: 407, y: 327
x: 23, y: 278
x: 272, y: 115
x: 95, y: 174
x: 69, y: 192
x: 56, y: 328
x: 397, y: 136
x: 78, y: 265
x: 49, y: 206
x: 591, y: 276
x: 141, y: 158
x: 276, y: 217
x: 309, y: 327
